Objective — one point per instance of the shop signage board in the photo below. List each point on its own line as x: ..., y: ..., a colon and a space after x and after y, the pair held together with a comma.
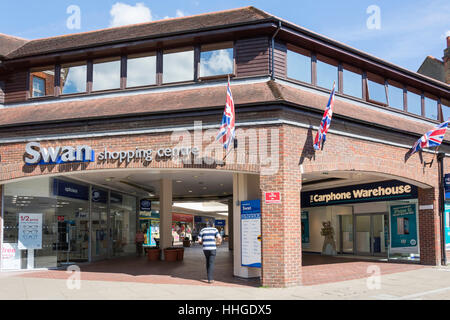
x: 145, y: 205
x: 370, y: 192
x: 251, y: 233
x: 70, y: 190
x: 37, y: 155
x: 447, y: 226
x: 178, y: 217
x: 447, y: 186
x: 305, y: 229
x: 30, y: 231
x: 220, y: 223
x: 404, y: 229
x: 273, y: 197
x: 10, y: 256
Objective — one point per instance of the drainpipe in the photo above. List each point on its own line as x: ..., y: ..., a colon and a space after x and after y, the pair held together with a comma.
x: 272, y: 71
x: 440, y: 158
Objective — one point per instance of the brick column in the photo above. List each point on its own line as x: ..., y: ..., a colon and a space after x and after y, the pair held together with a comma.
x: 429, y: 228
x: 281, y: 223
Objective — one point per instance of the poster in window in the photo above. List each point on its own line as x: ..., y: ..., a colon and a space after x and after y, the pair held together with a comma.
x: 251, y: 233
x: 404, y: 229
x: 30, y: 231
x: 305, y: 229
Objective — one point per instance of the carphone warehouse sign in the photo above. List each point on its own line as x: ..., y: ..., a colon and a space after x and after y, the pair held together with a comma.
x: 378, y: 191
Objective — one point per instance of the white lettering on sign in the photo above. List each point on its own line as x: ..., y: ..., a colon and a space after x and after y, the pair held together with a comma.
x: 35, y: 154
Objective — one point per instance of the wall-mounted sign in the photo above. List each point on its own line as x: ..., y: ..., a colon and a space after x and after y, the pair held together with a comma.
x: 70, y: 190
x: 99, y: 196
x: 404, y: 229
x: 378, y: 191
x: 147, y: 155
x: 219, y: 223
x: 30, y: 231
x: 145, y: 205
x: 35, y: 154
x: 305, y: 229
x: 447, y: 226
x: 179, y: 217
x: 10, y: 256
x: 447, y: 185
x: 251, y: 233
x: 272, y: 197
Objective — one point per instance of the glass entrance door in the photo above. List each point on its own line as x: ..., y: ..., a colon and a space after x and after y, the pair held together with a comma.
x: 372, y: 234
x: 99, y: 222
x: 346, y: 234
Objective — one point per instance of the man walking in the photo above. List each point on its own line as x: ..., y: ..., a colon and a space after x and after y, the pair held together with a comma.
x: 207, y: 237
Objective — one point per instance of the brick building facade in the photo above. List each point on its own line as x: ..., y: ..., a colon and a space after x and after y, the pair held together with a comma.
x: 277, y: 117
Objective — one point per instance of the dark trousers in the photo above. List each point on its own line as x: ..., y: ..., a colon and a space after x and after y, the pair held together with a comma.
x: 139, y: 248
x: 210, y: 258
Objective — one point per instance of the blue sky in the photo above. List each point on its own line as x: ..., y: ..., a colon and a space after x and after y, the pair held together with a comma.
x: 409, y: 30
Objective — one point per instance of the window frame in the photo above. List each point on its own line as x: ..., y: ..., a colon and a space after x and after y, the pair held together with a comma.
x: 32, y: 75
x: 90, y: 73
x: 381, y: 81
x: 73, y: 64
x: 145, y: 54
x: 198, y: 63
x: 303, y: 52
x: 353, y: 69
x: 178, y: 50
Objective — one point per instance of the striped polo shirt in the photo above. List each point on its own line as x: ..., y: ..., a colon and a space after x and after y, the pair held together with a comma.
x: 208, y: 236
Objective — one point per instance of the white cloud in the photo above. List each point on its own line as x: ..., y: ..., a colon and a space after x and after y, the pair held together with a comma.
x: 178, y: 14
x: 123, y: 14
x: 220, y: 62
x: 447, y: 34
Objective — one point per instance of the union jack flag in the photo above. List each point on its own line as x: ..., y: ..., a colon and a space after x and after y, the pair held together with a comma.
x: 227, y: 130
x: 432, y: 138
x: 321, y: 135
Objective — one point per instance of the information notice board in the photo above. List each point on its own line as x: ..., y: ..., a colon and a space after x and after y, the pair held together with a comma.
x: 30, y: 231
x: 251, y: 233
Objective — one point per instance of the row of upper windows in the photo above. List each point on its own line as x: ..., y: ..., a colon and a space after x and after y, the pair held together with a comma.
x: 141, y: 70
x: 217, y: 60
x: 367, y: 86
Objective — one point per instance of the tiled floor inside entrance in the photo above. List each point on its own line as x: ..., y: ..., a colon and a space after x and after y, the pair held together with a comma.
x: 317, y: 269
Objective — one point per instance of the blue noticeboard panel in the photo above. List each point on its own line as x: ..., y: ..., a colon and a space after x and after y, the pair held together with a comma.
x: 403, y: 226
x: 447, y: 226
x: 251, y: 233
x: 70, y: 190
x: 220, y: 223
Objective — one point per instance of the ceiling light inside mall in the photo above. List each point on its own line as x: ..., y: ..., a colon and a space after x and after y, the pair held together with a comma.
x: 179, y: 181
x: 109, y: 179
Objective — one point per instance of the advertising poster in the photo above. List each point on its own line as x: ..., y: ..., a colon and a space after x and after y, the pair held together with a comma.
x: 30, y: 231
x: 10, y: 256
x: 447, y: 226
x: 251, y: 233
x: 305, y: 229
x: 404, y: 229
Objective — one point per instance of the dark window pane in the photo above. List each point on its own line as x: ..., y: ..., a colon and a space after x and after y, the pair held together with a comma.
x: 414, y: 103
x: 377, y: 91
x: 352, y: 83
x: 395, y: 97
x: 298, y: 66
x: 326, y: 75
x: 445, y: 112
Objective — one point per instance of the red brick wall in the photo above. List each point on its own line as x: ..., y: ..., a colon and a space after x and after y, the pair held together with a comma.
x: 281, y: 223
x: 429, y: 228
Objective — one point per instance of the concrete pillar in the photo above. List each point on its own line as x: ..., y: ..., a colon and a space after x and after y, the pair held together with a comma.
x: 245, y: 187
x: 230, y: 220
x: 429, y: 227
x: 165, y: 213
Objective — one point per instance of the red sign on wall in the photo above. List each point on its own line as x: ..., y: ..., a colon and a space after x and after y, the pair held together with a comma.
x: 179, y: 217
x: 273, y: 197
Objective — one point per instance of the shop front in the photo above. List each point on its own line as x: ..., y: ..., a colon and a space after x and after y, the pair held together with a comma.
x: 377, y: 219
x: 49, y: 222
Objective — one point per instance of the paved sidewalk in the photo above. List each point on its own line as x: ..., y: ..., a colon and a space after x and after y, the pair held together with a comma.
x: 423, y: 283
